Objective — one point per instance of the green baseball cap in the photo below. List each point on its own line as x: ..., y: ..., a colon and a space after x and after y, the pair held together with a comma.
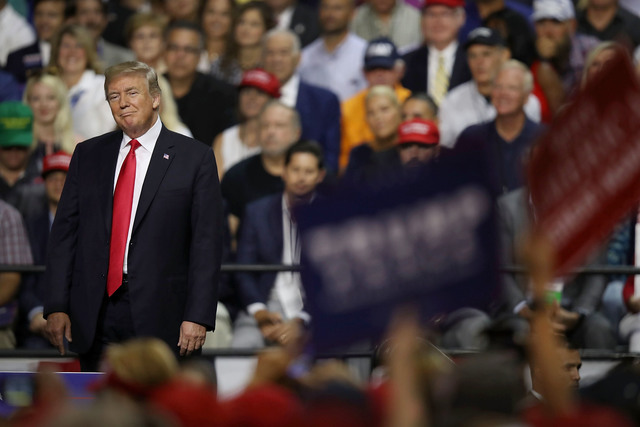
x: 16, y: 124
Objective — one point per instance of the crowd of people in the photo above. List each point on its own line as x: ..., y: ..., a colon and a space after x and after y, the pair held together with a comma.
x: 295, y: 98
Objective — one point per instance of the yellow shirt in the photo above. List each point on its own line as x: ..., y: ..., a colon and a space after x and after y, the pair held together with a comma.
x: 355, y: 129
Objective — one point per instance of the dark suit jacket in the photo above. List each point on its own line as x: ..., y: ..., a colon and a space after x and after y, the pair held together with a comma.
x: 261, y: 242
x: 304, y: 22
x: 33, y: 287
x: 416, y: 63
x: 176, y: 241
x: 23, y: 60
x: 319, y: 111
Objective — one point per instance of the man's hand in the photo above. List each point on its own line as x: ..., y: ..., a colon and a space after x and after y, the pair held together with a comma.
x: 288, y: 333
x: 268, y: 323
x: 564, y: 320
x: 38, y: 324
x: 192, y: 337
x: 58, y: 328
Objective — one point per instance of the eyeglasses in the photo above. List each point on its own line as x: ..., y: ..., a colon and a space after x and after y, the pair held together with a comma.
x: 186, y: 49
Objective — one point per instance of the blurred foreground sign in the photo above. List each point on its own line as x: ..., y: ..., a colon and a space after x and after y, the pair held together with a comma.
x: 428, y: 240
x: 584, y: 175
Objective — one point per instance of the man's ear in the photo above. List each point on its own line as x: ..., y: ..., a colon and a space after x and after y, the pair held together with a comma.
x: 156, y: 102
x: 322, y: 175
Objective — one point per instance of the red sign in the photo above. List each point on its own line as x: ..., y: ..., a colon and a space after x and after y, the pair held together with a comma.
x: 584, y: 174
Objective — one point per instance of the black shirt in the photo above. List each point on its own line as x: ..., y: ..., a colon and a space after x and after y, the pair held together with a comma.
x: 623, y: 28
x: 208, y: 108
x: 248, y: 181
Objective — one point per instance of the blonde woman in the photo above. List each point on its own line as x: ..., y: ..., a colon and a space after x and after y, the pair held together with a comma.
x: 383, y: 115
x: 74, y: 59
x: 46, y: 95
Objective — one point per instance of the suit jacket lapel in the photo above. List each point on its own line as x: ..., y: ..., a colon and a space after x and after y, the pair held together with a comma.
x: 108, y: 151
x: 459, y: 63
x: 161, y: 158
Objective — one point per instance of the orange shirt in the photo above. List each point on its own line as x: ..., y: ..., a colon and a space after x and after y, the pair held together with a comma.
x: 355, y: 129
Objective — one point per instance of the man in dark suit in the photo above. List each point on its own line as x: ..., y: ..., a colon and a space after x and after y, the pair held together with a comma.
x: 48, y: 17
x: 142, y: 260
x: 31, y: 323
x: 440, y: 64
x: 273, y: 302
x: 299, y: 18
x: 319, y: 108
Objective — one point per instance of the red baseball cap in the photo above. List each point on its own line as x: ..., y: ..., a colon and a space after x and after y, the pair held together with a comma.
x: 58, y: 161
x: 418, y: 131
x: 260, y: 79
x: 449, y: 3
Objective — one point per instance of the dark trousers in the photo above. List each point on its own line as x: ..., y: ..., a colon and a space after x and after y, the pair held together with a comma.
x: 115, y: 324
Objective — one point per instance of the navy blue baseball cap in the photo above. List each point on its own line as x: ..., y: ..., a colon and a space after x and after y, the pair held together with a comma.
x: 484, y: 36
x: 380, y: 53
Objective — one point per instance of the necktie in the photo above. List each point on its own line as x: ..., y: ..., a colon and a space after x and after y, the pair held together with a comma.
x: 122, y: 201
x: 441, y: 82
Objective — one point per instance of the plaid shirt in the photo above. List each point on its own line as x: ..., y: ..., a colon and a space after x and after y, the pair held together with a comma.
x: 14, y: 244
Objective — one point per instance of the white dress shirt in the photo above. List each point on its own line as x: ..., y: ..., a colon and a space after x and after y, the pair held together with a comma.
x: 143, y: 158
x: 289, y: 91
x: 449, y: 55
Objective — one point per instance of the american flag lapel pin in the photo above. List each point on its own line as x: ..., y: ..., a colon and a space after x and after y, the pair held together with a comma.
x: 165, y: 156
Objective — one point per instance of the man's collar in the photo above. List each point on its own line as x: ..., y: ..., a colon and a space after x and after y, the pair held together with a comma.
x: 148, y: 139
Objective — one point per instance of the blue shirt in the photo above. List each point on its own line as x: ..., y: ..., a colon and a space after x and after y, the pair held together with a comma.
x: 339, y: 71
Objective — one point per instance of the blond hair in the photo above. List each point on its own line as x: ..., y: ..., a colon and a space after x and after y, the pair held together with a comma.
x: 145, y: 362
x: 62, y: 124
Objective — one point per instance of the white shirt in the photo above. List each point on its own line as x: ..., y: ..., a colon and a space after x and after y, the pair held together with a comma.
x: 143, y: 158
x: 340, y: 71
x: 283, y: 20
x: 45, y: 52
x: 90, y: 110
x: 449, y: 55
x: 15, y: 32
x: 465, y: 106
x: 289, y: 91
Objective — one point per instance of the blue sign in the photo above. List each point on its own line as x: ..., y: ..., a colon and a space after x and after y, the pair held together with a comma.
x: 427, y: 240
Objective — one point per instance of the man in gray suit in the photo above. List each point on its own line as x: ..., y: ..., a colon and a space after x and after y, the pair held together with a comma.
x: 92, y: 14
x: 576, y: 313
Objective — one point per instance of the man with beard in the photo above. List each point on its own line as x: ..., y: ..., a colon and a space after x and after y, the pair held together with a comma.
x: 335, y: 60
x: 561, y: 54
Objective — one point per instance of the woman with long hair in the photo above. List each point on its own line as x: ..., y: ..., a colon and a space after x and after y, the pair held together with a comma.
x: 46, y: 95
x: 217, y: 22
x: 75, y: 61
x: 244, y: 50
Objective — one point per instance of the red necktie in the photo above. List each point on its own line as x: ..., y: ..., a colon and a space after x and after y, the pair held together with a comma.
x: 122, y: 201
